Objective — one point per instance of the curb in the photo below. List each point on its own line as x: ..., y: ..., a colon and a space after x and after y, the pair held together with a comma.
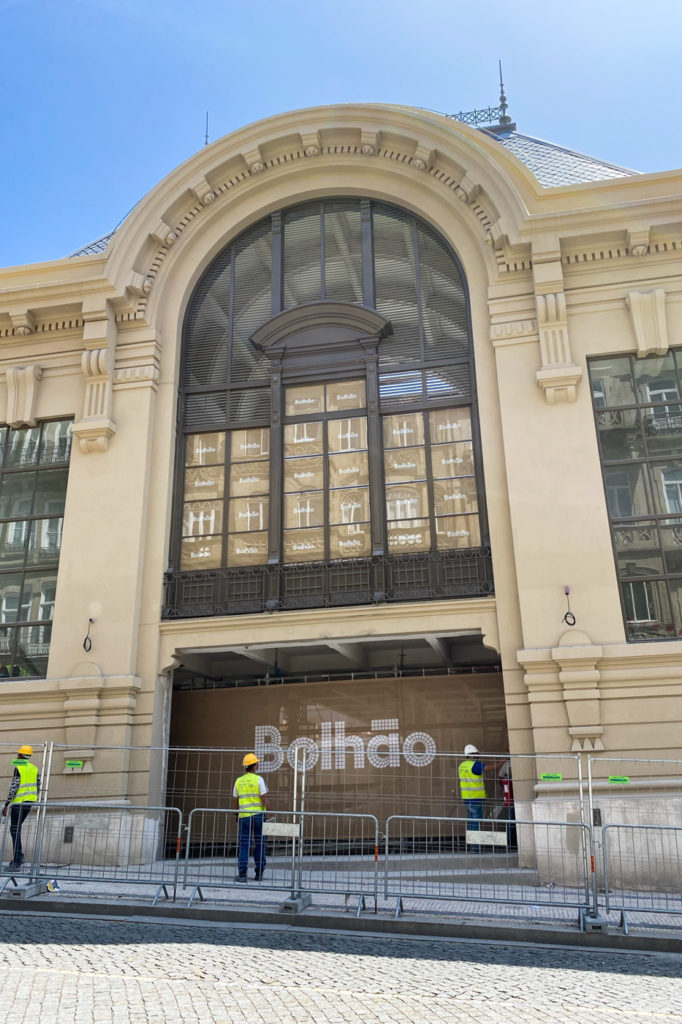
x: 370, y: 924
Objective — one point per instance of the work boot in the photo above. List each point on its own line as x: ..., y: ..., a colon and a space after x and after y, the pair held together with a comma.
x: 241, y: 877
x: 258, y: 875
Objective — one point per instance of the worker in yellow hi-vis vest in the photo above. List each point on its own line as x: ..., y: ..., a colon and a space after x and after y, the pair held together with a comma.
x: 472, y: 787
x: 24, y: 791
x: 250, y: 797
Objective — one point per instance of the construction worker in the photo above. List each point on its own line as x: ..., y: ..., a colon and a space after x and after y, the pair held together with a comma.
x: 472, y: 787
x: 249, y: 796
x: 23, y: 793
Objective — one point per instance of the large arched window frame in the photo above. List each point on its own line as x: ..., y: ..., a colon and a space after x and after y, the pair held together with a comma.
x: 342, y: 318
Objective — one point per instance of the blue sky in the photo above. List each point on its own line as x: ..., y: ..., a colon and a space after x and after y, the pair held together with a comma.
x: 99, y: 99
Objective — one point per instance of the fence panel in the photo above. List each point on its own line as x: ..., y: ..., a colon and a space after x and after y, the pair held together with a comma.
x: 117, y: 846
x: 642, y: 869
x: 446, y: 859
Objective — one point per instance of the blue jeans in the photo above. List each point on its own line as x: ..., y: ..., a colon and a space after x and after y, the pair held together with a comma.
x: 251, y: 831
x: 474, y: 815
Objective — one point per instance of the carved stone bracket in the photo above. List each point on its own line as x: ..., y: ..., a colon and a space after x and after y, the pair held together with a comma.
x: 558, y: 376
x: 577, y: 658
x: 22, y: 389
x: 647, y: 312
x: 96, y: 426
x: 23, y: 323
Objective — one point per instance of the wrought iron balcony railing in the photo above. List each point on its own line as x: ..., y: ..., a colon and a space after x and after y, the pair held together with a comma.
x: 384, y: 579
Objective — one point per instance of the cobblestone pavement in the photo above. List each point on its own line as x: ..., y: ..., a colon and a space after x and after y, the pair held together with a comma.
x: 73, y: 971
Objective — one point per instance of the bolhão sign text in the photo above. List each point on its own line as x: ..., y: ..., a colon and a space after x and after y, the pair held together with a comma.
x: 336, y: 750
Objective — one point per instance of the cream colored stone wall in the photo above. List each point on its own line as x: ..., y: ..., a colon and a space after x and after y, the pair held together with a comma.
x: 549, y: 274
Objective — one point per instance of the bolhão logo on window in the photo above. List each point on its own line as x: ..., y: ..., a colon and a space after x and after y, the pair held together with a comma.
x: 337, y: 750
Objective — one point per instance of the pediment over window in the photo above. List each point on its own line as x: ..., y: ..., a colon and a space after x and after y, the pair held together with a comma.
x: 339, y: 333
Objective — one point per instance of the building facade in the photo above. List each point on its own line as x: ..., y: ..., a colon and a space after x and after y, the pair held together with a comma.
x: 363, y: 432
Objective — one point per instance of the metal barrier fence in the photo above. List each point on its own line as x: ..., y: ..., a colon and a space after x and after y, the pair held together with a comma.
x: 302, y: 853
x: 100, y: 843
x: 636, y: 791
x: 541, y: 863
x: 642, y: 869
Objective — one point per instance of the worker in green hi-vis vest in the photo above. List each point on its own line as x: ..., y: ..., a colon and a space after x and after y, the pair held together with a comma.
x: 24, y: 791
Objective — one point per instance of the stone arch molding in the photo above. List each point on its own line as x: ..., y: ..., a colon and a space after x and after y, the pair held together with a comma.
x: 496, y: 189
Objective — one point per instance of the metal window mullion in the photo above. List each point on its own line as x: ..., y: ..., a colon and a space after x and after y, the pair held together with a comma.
x: 323, y: 269
x: 325, y: 490
x: 277, y: 269
x: 375, y: 461
x: 276, y: 476
x: 226, y: 496
x: 367, y: 249
x: 429, y: 480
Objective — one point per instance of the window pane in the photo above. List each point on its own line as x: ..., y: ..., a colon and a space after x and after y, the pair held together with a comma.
x: 7, y: 641
x: 249, y: 478
x: 452, y: 460
x: 16, y: 495
x: 303, y: 510
x: 346, y: 395
x: 251, y: 549
x: 302, y: 439
x: 23, y: 448
x: 205, y: 449
x: 647, y: 610
x: 663, y: 429
x: 250, y: 444
x: 457, y: 532
x: 667, y: 483
x: 349, y: 506
x: 252, y: 301
x: 453, y: 497
x: 395, y: 282
x: 450, y: 425
x: 38, y: 598
x: 348, y: 469
x: 50, y: 492
x: 303, y: 545
x: 403, y: 431
x: 202, y: 518
x: 305, y: 400
x: 10, y: 588
x: 304, y: 474
x: 620, y: 434
x: 205, y: 484
x: 349, y: 541
x: 248, y: 514
x: 656, y: 379
x: 444, y: 310
x: 302, y: 256
x: 200, y: 553
x: 638, y: 551
x: 612, y: 382
x: 45, y: 540
x: 410, y: 536
x: 33, y: 648
x: 403, y: 465
x: 627, y: 491
x: 675, y: 587
x: 3, y: 444
x: 13, y: 538
x: 348, y: 435
x: 671, y: 539
x: 405, y: 501
x: 56, y: 442
x: 343, y: 252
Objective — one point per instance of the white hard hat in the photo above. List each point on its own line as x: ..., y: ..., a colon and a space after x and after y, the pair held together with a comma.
x: 470, y: 749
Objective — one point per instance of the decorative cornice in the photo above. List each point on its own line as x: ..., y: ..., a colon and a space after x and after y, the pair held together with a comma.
x: 511, y: 331
x: 145, y: 376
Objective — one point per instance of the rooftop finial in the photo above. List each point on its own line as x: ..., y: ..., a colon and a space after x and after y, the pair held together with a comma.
x: 504, y: 118
x: 206, y: 135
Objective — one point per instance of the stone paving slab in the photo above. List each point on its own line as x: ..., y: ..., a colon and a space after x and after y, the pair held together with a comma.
x: 75, y: 971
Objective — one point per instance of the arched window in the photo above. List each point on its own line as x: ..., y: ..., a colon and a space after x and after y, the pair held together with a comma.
x: 329, y: 445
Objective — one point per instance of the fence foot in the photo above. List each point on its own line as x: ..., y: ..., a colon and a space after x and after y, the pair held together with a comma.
x: 162, y: 889
x: 196, y: 891
x: 10, y: 878
x: 623, y: 923
x: 398, y: 908
x: 361, y: 906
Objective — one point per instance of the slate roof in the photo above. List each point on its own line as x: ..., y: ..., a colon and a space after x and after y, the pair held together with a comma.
x: 552, y: 165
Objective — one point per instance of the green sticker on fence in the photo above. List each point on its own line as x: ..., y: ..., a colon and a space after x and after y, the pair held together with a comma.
x: 74, y: 764
x: 619, y: 780
x: 551, y: 777
x: 19, y: 761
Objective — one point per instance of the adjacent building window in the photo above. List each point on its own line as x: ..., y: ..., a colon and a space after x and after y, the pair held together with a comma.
x: 33, y: 476
x: 638, y: 411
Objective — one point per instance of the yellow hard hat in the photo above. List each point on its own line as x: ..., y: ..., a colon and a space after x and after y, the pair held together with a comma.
x: 25, y: 751
x: 249, y: 759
